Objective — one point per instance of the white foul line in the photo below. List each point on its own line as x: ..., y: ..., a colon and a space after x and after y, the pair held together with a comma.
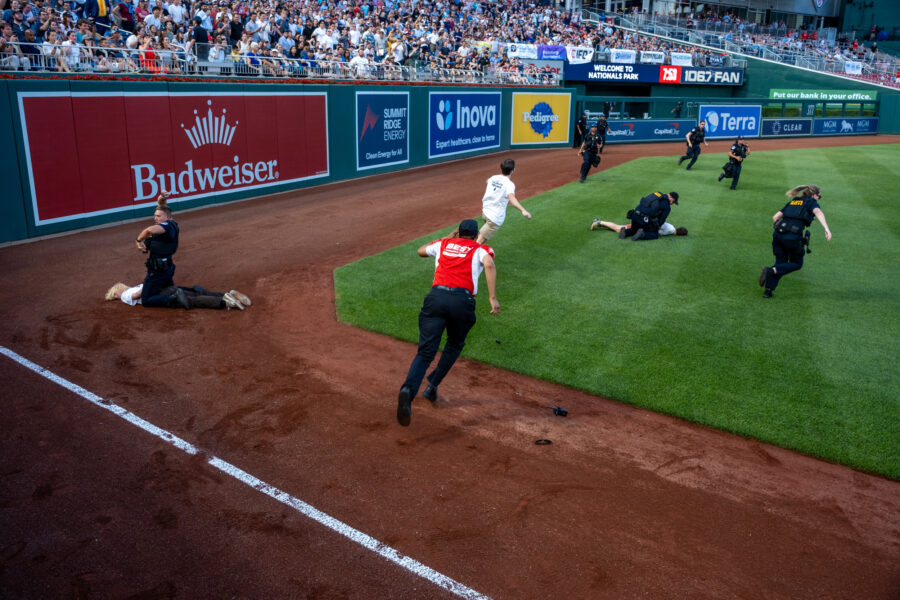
x: 300, y: 506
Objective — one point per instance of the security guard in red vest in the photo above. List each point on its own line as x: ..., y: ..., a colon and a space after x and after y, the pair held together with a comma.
x: 449, y: 305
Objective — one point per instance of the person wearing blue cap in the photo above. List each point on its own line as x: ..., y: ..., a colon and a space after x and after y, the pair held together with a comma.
x: 458, y: 263
x: 736, y: 155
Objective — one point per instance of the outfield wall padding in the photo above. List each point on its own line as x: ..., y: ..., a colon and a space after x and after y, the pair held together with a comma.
x: 82, y: 153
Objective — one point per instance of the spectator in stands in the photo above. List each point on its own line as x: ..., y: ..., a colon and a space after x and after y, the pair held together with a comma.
x: 53, y: 53
x: 72, y: 52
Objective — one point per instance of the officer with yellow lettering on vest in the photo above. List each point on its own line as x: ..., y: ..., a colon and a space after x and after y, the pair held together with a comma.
x: 789, y: 243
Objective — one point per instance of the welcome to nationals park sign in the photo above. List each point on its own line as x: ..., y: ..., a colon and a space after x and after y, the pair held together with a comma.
x: 623, y: 73
x: 90, y: 154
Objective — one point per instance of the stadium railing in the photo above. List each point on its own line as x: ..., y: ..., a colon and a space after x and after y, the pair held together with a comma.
x: 82, y: 59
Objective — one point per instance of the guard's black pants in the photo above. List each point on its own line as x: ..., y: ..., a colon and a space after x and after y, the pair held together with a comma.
x: 693, y: 153
x: 442, y: 309
x: 789, y: 252
x: 735, y: 174
x: 651, y: 230
x: 589, y: 158
x: 154, y: 282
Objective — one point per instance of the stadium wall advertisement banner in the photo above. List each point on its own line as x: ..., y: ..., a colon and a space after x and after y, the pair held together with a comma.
x: 728, y: 121
x: 540, y: 118
x: 781, y: 127
x: 652, y: 74
x: 382, y: 129
x: 97, y: 153
x: 845, y: 95
x: 461, y: 122
x: 640, y: 130
x: 845, y: 126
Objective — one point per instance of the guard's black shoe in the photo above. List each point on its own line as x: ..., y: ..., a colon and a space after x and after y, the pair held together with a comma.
x: 680, y: 160
x: 623, y: 233
x: 767, y: 293
x: 721, y: 176
x: 180, y: 299
x: 763, y: 276
x: 404, y: 406
x: 581, y: 180
x: 732, y: 188
x: 430, y: 393
x: 638, y: 235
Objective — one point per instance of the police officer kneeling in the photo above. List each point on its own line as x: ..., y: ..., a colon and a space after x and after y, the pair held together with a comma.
x: 788, y: 239
x: 649, y: 215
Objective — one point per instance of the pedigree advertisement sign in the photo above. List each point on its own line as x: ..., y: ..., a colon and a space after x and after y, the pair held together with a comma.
x: 89, y: 154
x: 540, y: 118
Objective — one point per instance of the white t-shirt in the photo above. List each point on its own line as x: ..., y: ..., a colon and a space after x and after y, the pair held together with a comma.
x: 127, y: 295
x: 496, y: 197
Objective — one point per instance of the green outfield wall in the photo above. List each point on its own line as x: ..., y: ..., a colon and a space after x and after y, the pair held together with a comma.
x: 84, y: 153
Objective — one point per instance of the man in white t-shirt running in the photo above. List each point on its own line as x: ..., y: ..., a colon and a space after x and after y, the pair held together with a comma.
x: 500, y: 191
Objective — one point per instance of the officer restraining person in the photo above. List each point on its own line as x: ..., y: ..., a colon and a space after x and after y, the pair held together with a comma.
x: 736, y: 155
x: 648, y: 216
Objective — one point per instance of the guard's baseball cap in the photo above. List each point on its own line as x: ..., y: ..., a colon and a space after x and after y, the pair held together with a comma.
x: 468, y: 227
x: 674, y: 196
x: 740, y: 137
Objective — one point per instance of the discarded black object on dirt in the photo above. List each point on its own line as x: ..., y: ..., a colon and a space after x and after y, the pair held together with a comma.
x: 559, y: 411
x: 543, y: 442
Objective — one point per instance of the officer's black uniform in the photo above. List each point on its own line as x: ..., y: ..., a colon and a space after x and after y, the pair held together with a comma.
x: 160, y: 268
x: 733, y: 168
x: 649, y: 215
x: 787, y: 241
x: 696, y: 136
x: 602, y: 128
x: 581, y: 127
x: 590, y: 152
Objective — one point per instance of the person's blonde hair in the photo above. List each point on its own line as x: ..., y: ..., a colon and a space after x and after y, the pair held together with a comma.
x: 804, y: 190
x: 118, y: 288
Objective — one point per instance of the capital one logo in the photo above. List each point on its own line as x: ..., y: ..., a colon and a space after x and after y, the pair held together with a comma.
x: 466, y: 116
x: 670, y: 74
x: 207, y: 130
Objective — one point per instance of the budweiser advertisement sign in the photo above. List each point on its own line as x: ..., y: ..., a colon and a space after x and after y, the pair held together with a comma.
x: 90, y: 154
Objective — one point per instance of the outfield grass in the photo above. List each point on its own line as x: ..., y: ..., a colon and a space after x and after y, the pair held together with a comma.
x: 679, y: 325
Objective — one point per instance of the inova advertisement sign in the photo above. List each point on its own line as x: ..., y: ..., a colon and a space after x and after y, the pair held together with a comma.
x: 461, y: 122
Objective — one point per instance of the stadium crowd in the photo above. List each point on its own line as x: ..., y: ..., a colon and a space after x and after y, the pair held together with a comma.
x: 285, y: 38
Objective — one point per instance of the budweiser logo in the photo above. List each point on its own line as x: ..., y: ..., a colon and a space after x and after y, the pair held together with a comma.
x: 210, y: 129
x: 192, y: 180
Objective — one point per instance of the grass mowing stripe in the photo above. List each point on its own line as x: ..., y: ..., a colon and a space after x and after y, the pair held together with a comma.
x: 679, y: 325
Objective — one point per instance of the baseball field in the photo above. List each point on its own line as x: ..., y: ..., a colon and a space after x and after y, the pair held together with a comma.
x: 160, y: 454
x: 679, y: 325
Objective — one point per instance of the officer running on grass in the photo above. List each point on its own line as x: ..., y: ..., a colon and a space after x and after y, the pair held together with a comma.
x: 736, y: 155
x: 694, y: 138
x: 449, y: 305
x: 788, y: 240
x: 649, y: 216
x: 590, y: 151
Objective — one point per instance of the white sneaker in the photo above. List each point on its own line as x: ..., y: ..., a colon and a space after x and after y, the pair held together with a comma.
x: 232, y: 302
x: 242, y: 298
